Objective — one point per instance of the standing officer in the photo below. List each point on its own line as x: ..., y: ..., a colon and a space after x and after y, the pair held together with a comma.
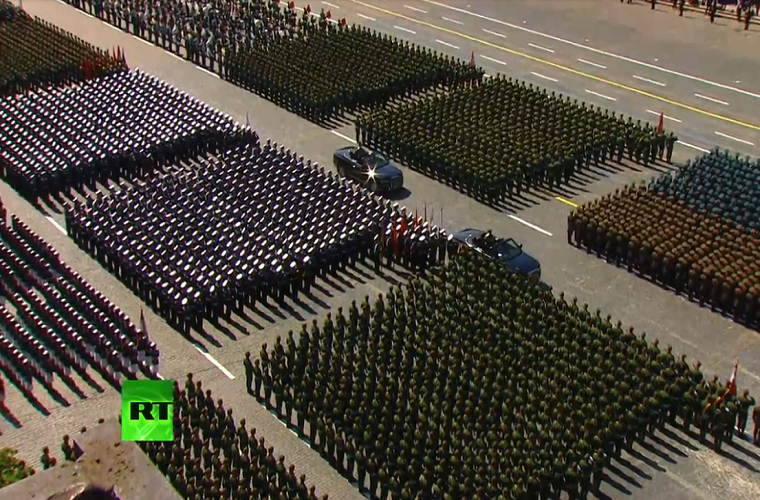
x: 746, y: 402
x: 248, y: 372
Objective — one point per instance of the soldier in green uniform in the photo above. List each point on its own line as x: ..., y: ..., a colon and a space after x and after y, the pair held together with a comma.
x: 746, y: 403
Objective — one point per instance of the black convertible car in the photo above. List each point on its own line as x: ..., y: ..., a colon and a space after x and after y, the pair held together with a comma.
x: 371, y: 170
x: 505, y: 251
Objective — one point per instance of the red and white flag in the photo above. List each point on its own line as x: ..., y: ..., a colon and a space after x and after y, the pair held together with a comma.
x: 661, y: 124
x: 732, y: 380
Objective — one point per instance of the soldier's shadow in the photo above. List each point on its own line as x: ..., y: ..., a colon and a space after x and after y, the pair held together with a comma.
x: 10, y: 417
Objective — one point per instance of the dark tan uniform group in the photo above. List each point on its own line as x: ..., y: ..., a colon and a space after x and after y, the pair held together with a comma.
x: 695, y: 232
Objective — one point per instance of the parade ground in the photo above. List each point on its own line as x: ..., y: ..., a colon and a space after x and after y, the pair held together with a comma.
x: 622, y: 57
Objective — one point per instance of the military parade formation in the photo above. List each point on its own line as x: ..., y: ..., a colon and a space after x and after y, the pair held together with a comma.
x: 476, y: 384
x: 122, y: 125
x: 469, y: 382
x: 695, y: 232
x: 495, y: 139
x: 202, y: 32
x: 55, y: 325
x: 36, y: 54
x: 341, y: 70
x: 252, y: 224
x: 213, y: 457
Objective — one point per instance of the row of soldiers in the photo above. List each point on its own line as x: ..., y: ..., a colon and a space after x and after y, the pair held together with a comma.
x: 55, y: 323
x: 36, y: 54
x: 720, y: 183
x: 212, y: 457
x: 385, y: 393
x: 710, y: 259
x: 287, y: 223
x: 342, y: 70
x: 123, y: 125
x: 204, y: 32
x: 503, y: 136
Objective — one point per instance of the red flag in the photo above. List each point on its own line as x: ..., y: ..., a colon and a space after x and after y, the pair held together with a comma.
x: 416, y: 218
x: 343, y: 21
x: 308, y: 9
x: 661, y: 124
x: 472, y: 59
x: 732, y: 381
x: 403, y: 224
x: 729, y: 390
x: 329, y: 15
x: 143, y: 324
x: 394, y: 237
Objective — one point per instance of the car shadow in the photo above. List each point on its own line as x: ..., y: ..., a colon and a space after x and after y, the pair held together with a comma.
x: 399, y: 194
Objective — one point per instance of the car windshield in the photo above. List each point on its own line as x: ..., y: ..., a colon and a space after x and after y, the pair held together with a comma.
x: 374, y: 160
x: 503, y: 250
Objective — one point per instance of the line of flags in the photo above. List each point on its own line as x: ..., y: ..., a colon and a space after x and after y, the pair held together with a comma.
x: 399, y: 229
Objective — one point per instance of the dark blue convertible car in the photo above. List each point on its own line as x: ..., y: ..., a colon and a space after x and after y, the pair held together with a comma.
x: 506, y: 251
x: 371, y: 170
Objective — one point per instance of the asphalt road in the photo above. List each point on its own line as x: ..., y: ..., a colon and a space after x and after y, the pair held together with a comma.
x: 539, y: 221
x: 703, y: 104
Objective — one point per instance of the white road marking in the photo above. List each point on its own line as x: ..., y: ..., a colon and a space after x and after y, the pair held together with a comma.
x: 207, y: 71
x: 415, y: 9
x: 707, y: 98
x: 343, y: 136
x: 692, y: 146
x: 539, y: 47
x: 331, y: 5
x: 735, y: 138
x: 175, y: 55
x: 600, y: 95
x: 666, y: 116
x: 494, y: 33
x: 366, y: 17
x: 146, y: 42
x: 543, y: 76
x: 596, y: 51
x: 592, y: 64
x: 215, y: 362
x: 111, y: 26
x: 653, y: 82
x: 494, y: 60
x: 451, y: 20
x: 55, y: 224
x: 528, y: 224
x: 447, y: 44
x: 405, y: 29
